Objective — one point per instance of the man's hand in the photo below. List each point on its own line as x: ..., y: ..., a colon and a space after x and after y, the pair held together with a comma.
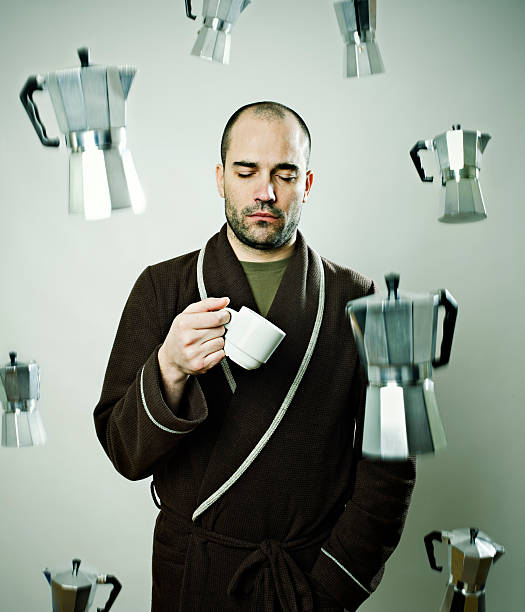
x: 194, y: 344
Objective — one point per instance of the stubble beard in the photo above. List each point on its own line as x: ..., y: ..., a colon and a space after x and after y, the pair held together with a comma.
x: 274, y: 237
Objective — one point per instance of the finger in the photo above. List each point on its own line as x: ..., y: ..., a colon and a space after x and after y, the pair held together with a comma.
x: 213, y: 359
x: 210, y: 355
x: 194, y: 338
x: 204, y: 335
x: 208, y: 304
x: 212, y: 346
x: 196, y: 357
x: 196, y: 353
x: 206, y: 320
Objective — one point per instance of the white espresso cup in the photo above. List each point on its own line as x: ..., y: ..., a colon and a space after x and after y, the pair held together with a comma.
x: 250, y: 339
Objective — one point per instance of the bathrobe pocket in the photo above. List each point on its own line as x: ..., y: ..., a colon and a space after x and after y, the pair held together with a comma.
x: 170, y: 543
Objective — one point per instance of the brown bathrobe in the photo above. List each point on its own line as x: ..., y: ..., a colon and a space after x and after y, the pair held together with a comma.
x: 310, y: 524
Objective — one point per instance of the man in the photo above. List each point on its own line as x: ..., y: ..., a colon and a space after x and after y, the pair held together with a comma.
x: 266, y: 503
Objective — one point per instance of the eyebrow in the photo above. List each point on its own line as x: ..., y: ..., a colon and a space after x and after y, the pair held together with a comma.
x: 282, y: 166
x: 245, y: 164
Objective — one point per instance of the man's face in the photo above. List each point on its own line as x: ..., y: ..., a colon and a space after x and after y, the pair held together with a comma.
x: 264, y: 181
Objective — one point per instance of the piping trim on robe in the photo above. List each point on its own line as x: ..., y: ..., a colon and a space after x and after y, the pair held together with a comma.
x: 173, y: 431
x: 345, y: 570
x: 289, y: 396
x: 204, y: 295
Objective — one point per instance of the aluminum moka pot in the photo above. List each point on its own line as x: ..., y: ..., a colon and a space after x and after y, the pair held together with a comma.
x: 90, y: 107
x: 396, y: 338
x: 74, y: 591
x: 21, y: 421
x: 357, y: 23
x: 459, y: 154
x: 214, y: 38
x: 471, y: 555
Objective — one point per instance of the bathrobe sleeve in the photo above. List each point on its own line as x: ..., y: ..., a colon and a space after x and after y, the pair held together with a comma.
x: 351, y: 562
x: 133, y: 422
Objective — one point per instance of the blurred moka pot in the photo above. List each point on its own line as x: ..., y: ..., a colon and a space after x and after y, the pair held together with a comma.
x: 396, y: 338
x: 214, y: 38
x: 21, y: 422
x: 459, y: 154
x: 74, y: 590
x: 90, y: 107
x: 471, y: 555
x: 357, y: 22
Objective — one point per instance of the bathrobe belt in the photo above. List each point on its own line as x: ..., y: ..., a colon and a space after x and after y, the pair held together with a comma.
x: 285, y: 583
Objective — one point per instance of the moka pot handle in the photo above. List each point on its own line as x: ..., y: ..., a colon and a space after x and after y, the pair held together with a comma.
x: 449, y: 323
x: 429, y: 545
x: 188, y: 10
x: 26, y: 96
x: 110, y: 579
x: 421, y: 145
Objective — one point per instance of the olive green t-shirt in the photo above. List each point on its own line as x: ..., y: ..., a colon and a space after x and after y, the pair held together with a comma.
x: 264, y: 279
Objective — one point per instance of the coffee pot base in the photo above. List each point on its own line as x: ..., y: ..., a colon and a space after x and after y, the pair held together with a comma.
x: 456, y: 600
x: 462, y: 201
x: 213, y: 45
x: 362, y: 59
x: 402, y: 420
x: 22, y: 428
x: 102, y: 181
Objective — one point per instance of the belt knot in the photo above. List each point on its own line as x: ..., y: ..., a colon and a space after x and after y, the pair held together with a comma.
x: 285, y: 580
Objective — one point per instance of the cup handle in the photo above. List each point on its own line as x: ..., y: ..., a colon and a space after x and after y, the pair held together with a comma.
x: 117, y: 586
x: 232, y: 314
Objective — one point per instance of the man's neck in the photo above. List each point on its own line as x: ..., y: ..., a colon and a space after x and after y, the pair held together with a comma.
x: 244, y: 252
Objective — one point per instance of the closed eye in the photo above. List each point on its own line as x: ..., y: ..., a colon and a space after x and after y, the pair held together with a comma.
x: 288, y: 179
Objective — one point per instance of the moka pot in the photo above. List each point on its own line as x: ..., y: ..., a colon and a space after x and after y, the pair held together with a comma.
x: 21, y: 421
x: 214, y: 38
x: 459, y: 154
x: 357, y: 23
x: 471, y: 555
x: 90, y: 108
x: 74, y: 591
x: 396, y: 338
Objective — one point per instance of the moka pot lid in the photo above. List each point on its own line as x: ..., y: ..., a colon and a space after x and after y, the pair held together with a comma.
x: 21, y: 381
x: 473, y: 543
x: 72, y: 578
x: 393, y: 300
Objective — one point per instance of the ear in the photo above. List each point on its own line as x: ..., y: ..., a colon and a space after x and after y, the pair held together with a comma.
x: 308, y: 185
x: 219, y: 177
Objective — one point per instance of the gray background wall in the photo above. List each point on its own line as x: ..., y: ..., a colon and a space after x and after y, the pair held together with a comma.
x: 65, y: 281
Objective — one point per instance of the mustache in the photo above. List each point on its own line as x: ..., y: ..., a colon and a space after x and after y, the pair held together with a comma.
x: 264, y: 207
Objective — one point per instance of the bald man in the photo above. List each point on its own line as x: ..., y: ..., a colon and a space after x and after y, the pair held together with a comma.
x: 265, y: 500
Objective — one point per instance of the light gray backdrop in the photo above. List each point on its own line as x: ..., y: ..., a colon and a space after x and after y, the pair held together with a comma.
x: 64, y: 281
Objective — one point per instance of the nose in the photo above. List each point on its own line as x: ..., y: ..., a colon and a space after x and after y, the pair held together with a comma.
x: 264, y: 190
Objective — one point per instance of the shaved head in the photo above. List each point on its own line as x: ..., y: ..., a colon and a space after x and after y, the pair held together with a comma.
x: 267, y: 111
